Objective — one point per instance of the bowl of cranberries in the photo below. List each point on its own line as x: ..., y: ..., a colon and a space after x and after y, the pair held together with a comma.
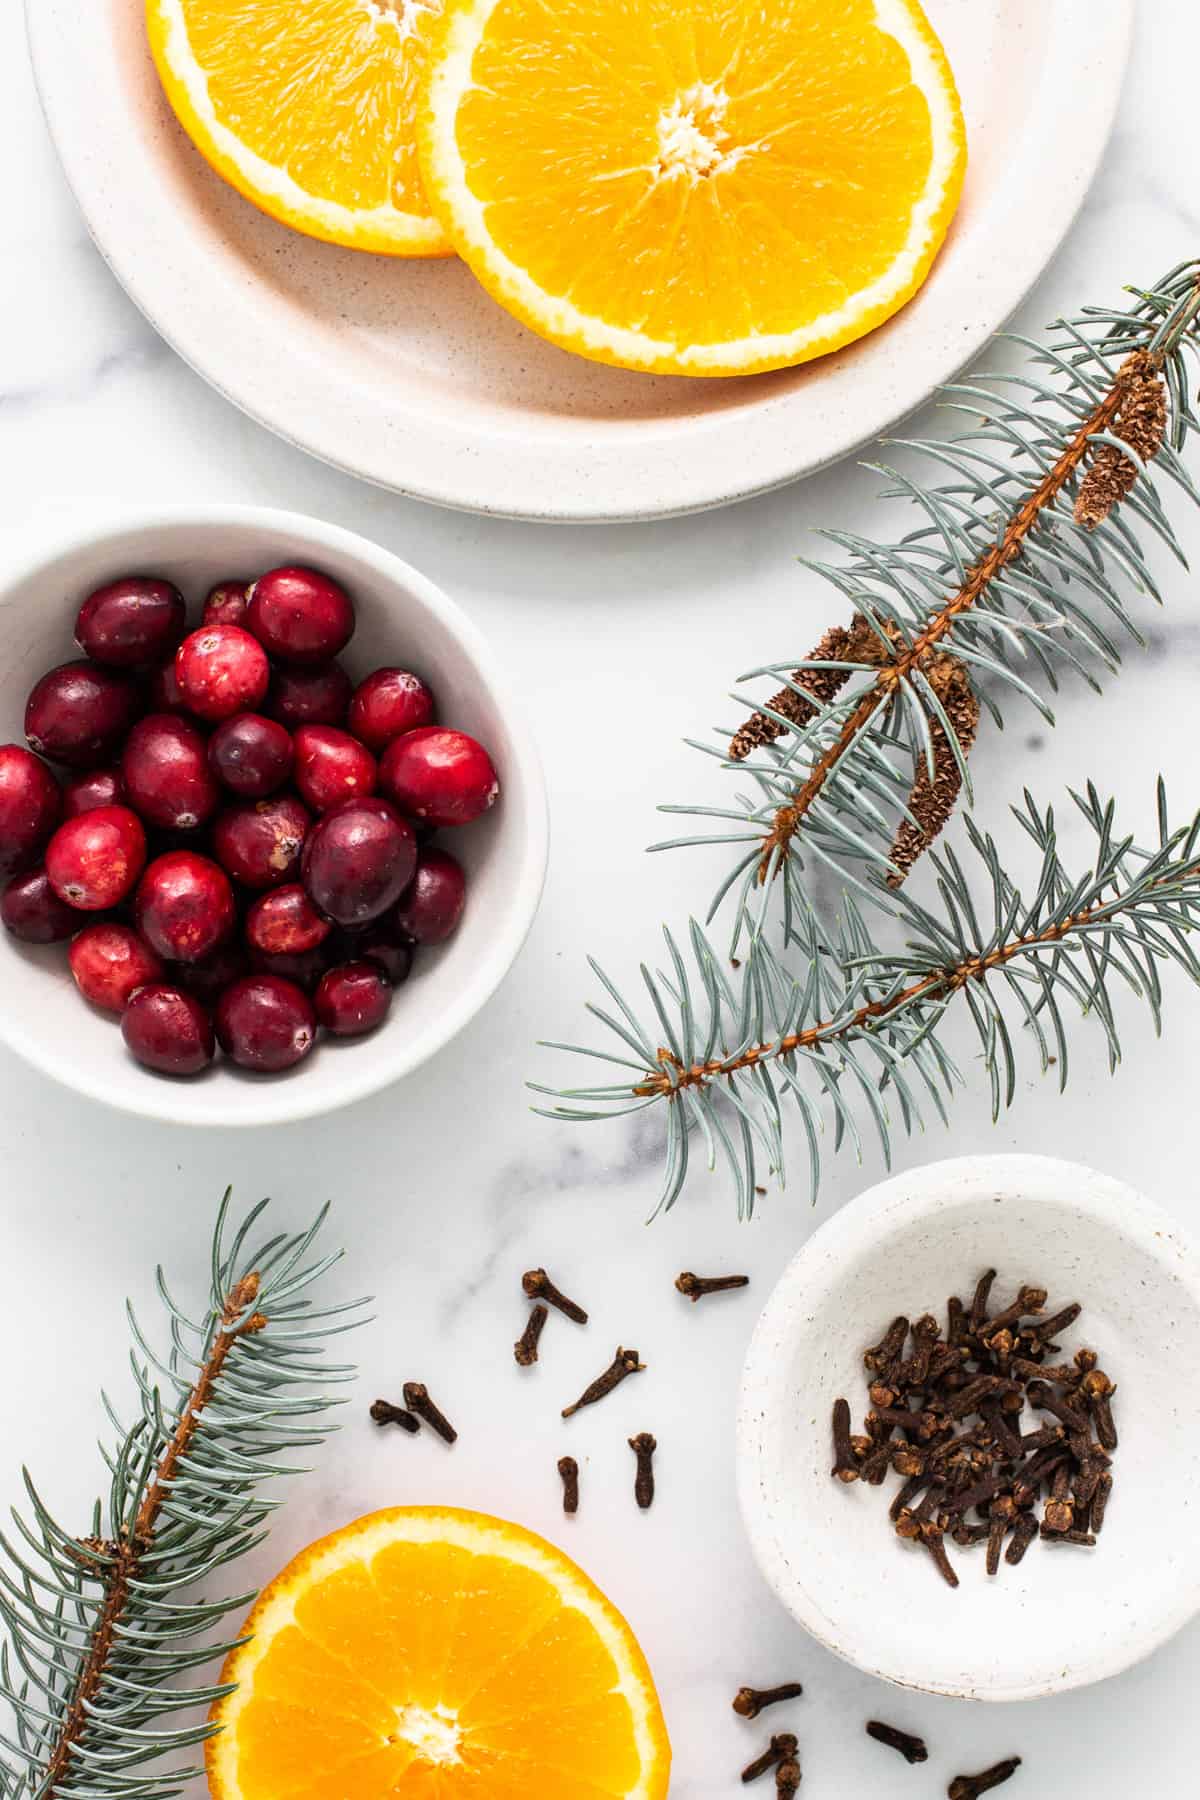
x: 271, y: 829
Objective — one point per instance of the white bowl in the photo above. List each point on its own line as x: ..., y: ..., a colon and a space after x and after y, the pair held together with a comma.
x: 1064, y: 1617
x: 402, y: 617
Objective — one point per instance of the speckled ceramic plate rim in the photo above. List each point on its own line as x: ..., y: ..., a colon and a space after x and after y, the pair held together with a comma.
x: 681, y: 465
x: 824, y: 1262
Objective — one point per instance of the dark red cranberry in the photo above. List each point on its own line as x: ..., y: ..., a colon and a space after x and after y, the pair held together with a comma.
x: 168, y: 1030
x: 432, y: 905
x: 221, y: 670
x: 284, y: 922
x: 109, y: 963
x: 358, y: 859
x: 265, y: 1023
x: 331, y: 766
x: 251, y: 755
x: 94, y: 859
x: 319, y: 696
x: 184, y: 906
x: 300, y: 616
x: 227, y: 603
x: 78, y: 714
x: 166, y: 773
x: 164, y: 694
x: 305, y: 968
x: 441, y: 776
x: 31, y: 910
x: 259, y: 842
x: 99, y: 787
x: 379, y: 944
x: 387, y: 703
x: 30, y: 805
x: 209, y: 977
x: 353, y: 999
x: 137, y: 620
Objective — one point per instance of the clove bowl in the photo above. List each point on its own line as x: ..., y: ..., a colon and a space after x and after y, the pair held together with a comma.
x: 1066, y: 1616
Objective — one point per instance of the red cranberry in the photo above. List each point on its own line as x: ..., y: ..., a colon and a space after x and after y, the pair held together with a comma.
x: 319, y: 696
x: 305, y: 967
x: 78, y: 714
x: 221, y: 670
x: 353, y: 999
x: 251, y: 755
x: 185, y: 906
x: 388, y: 702
x: 299, y: 615
x: 331, y: 766
x: 284, y: 922
x: 168, y: 1030
x: 265, y: 1023
x: 134, y: 621
x: 165, y: 694
x: 259, y: 842
x: 227, y: 603
x: 30, y: 804
x: 166, y: 773
x: 358, y: 859
x: 432, y: 905
x: 99, y: 787
x: 381, y: 945
x: 438, y: 775
x: 209, y: 977
x: 94, y: 859
x: 30, y: 909
x: 109, y: 963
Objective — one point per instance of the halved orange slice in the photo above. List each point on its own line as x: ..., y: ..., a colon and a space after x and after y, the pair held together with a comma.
x: 426, y: 1654
x: 701, y: 187
x: 308, y: 109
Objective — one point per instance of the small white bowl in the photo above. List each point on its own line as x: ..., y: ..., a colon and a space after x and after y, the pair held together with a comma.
x: 1066, y: 1617
x: 402, y: 618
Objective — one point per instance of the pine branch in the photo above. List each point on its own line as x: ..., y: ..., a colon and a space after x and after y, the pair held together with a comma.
x: 100, y: 1628
x: 1017, y: 570
x: 864, y: 1021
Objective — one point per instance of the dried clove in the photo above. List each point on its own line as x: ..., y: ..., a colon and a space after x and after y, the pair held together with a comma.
x: 696, y: 1286
x: 416, y: 1398
x: 643, y: 1446
x: 526, y: 1347
x: 624, y: 1363
x: 384, y: 1413
x: 568, y: 1468
x: 538, y: 1286
x: 845, y: 1463
x: 911, y: 1748
x: 781, y: 1748
x: 969, y: 1787
x: 1024, y: 1532
x: 1100, y: 1501
x: 748, y: 1702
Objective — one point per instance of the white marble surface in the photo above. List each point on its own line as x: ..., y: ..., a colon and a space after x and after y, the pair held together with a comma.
x: 624, y: 640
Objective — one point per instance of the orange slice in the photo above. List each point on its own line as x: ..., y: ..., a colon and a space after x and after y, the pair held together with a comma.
x: 307, y: 109
x: 427, y: 1654
x: 701, y: 187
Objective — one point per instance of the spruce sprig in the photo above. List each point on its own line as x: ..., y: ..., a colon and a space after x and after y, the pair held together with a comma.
x: 103, y: 1629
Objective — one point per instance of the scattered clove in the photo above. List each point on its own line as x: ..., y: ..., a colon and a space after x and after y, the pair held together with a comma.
x: 643, y: 1446
x: 911, y: 1748
x: 384, y: 1413
x: 538, y: 1286
x: 748, y: 1702
x: 781, y: 1748
x: 969, y: 1787
x: 696, y: 1286
x: 624, y: 1363
x: 526, y: 1347
x: 416, y: 1398
x: 568, y: 1468
x: 845, y: 1462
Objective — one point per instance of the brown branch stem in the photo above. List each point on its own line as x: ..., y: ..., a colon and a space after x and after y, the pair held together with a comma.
x: 122, y: 1557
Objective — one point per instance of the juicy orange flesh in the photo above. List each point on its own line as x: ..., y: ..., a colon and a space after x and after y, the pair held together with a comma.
x: 525, y: 1684
x: 325, y: 89
x: 695, y: 169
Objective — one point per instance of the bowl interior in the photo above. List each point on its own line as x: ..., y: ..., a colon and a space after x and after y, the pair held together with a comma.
x: 402, y: 618
x: 1065, y: 1616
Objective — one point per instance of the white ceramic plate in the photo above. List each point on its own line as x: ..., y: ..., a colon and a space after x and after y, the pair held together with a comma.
x: 1066, y: 1616
x: 409, y: 375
